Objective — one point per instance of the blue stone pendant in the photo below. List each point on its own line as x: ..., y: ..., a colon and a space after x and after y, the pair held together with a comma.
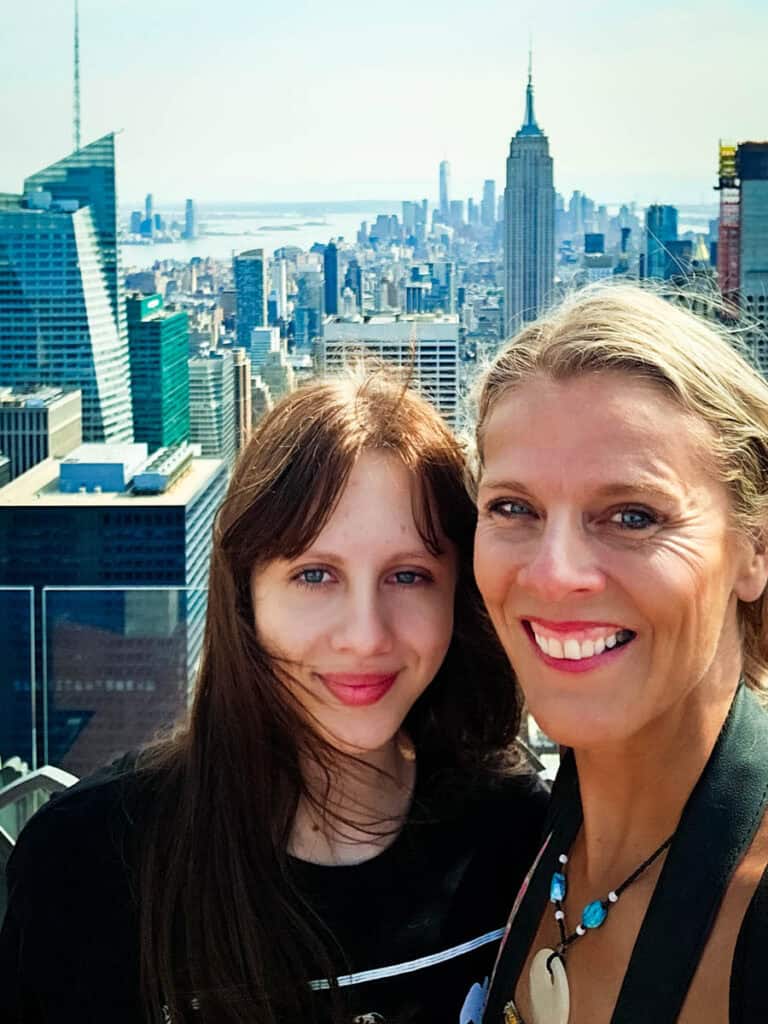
x: 594, y: 914
x: 557, y: 888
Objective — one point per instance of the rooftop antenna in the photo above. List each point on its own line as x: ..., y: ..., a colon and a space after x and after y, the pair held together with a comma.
x: 77, y: 80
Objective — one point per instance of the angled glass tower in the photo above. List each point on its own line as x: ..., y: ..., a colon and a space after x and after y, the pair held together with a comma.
x: 62, y: 307
x: 529, y: 222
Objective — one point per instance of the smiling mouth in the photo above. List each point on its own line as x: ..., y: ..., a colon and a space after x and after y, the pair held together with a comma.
x: 587, y: 644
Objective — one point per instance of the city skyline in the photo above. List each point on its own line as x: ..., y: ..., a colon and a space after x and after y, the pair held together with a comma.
x: 592, y: 79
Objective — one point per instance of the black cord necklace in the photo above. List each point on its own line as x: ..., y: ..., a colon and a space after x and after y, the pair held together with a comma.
x: 548, y: 982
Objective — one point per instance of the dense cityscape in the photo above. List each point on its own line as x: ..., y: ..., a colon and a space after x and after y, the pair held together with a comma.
x: 140, y: 347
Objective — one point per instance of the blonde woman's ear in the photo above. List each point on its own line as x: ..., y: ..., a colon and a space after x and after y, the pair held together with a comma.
x: 752, y: 581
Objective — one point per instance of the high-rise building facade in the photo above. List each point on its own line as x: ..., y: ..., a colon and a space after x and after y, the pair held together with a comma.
x: 38, y: 424
x: 212, y: 422
x: 488, y: 204
x: 660, y: 229
x: 190, y: 220
x: 159, y: 341
x: 427, y: 345
x: 62, y: 305
x: 280, y: 288
x: 241, y: 368
x: 331, y: 278
x: 263, y: 341
x: 529, y: 223
x: 109, y: 545
x: 445, y: 191
x: 752, y: 163
x: 251, y: 283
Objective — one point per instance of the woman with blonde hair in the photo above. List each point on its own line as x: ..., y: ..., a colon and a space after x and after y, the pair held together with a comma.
x: 621, y: 552
x: 331, y: 834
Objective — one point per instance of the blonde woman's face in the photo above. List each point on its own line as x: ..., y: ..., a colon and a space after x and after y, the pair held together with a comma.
x: 606, y: 556
x: 363, y: 618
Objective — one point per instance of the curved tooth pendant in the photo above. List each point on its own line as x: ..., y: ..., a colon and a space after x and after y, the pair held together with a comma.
x: 548, y: 990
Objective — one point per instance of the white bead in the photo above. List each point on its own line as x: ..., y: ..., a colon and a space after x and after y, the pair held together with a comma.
x: 563, y: 859
x: 612, y: 897
x: 580, y: 929
x: 559, y: 915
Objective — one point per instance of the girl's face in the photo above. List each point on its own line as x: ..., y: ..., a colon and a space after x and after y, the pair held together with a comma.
x: 606, y: 556
x: 362, y: 620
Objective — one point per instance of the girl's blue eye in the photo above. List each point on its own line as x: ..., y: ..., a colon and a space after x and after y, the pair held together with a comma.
x: 311, y: 576
x: 633, y: 518
x: 408, y: 576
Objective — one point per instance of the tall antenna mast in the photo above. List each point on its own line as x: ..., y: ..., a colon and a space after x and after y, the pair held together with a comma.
x: 77, y: 80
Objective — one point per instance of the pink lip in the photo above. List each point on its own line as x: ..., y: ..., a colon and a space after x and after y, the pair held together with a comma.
x: 572, y: 626
x: 357, y: 689
x: 565, y: 664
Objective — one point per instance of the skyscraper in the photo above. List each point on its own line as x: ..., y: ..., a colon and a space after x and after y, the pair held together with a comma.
x: 251, y: 284
x: 212, y: 420
x: 354, y: 279
x: 241, y: 368
x: 752, y: 164
x: 38, y: 424
x: 190, y: 220
x: 488, y: 205
x: 445, y: 187
x: 159, y: 341
x: 62, y: 305
x: 96, y: 557
x: 660, y: 229
x: 428, y: 345
x: 331, y: 275
x: 529, y: 222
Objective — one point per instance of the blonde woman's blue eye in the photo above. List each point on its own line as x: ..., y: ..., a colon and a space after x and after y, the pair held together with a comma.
x: 633, y: 518
x: 509, y: 509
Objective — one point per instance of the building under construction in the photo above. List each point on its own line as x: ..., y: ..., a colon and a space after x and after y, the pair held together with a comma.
x: 742, y: 252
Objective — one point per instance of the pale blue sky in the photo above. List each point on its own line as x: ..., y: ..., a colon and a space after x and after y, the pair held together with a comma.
x: 337, y: 99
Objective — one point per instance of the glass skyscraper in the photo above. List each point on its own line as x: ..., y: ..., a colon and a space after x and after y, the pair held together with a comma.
x: 251, y: 284
x: 660, y: 229
x: 159, y: 340
x: 62, y: 310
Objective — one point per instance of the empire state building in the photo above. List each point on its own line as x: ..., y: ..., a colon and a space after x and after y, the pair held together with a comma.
x: 529, y: 222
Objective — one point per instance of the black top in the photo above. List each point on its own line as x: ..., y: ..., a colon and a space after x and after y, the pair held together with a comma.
x: 419, y: 924
x: 716, y: 827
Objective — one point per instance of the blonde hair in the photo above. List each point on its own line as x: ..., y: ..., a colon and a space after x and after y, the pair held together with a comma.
x: 631, y: 330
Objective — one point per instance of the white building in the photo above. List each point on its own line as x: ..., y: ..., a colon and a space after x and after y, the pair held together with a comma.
x: 427, y: 344
x: 212, y: 414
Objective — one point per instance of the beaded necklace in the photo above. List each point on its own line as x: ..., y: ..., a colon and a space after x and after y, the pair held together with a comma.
x: 548, y: 982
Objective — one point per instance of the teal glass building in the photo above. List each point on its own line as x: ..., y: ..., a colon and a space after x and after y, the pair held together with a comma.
x: 158, y: 339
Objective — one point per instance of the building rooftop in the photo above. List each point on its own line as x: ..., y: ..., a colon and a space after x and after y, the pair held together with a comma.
x: 39, y: 487
x: 395, y: 318
x: 32, y: 398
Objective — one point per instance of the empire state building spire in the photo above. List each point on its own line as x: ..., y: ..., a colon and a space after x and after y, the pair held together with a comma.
x: 530, y: 127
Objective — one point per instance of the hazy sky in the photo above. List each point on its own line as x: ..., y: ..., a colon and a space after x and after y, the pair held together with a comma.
x: 335, y: 99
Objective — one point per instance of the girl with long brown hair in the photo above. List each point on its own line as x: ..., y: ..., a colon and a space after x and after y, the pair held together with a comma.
x: 332, y: 833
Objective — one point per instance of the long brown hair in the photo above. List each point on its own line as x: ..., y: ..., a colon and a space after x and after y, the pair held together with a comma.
x: 221, y: 926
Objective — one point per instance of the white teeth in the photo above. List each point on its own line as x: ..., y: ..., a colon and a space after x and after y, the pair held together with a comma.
x: 555, y: 649
x: 572, y: 650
